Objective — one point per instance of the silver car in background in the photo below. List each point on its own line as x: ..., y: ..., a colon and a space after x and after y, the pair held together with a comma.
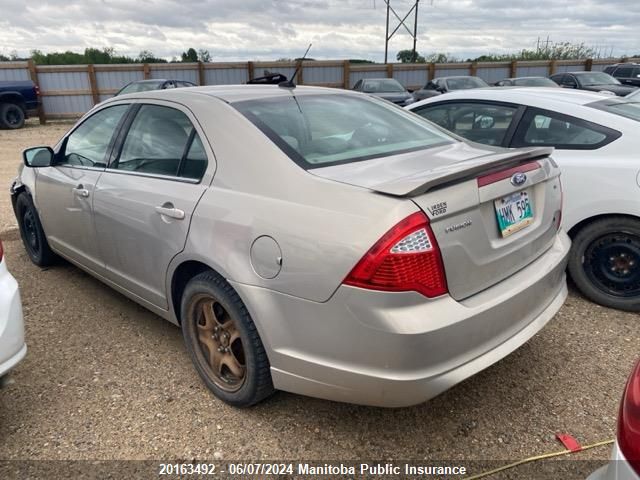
x: 311, y: 240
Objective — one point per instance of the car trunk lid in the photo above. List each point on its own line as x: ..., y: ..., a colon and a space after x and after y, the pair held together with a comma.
x: 472, y: 198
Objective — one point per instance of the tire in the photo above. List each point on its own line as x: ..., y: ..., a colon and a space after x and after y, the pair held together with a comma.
x: 33, y: 237
x: 604, y: 262
x: 12, y: 116
x: 224, y: 345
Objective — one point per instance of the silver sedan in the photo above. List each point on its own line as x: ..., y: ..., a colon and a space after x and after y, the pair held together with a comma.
x: 310, y: 240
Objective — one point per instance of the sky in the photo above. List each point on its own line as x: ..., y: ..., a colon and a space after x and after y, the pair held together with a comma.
x: 271, y: 29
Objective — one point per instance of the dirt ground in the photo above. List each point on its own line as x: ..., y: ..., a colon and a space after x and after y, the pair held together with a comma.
x: 105, y: 379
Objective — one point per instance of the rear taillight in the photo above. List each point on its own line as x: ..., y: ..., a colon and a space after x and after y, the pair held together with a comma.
x: 406, y: 258
x: 37, y: 91
x: 558, y: 217
x: 629, y: 420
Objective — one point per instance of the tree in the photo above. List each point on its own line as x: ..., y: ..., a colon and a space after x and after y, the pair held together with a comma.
x: 204, y: 56
x: 406, y: 56
x: 145, y: 56
x: 190, y: 55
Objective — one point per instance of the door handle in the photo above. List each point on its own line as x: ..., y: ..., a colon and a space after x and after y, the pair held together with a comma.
x: 80, y: 191
x: 168, y: 210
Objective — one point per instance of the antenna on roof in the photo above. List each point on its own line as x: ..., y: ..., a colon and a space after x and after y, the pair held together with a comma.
x: 289, y: 83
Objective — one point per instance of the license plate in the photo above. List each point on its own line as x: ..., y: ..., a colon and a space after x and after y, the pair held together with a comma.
x: 514, y: 212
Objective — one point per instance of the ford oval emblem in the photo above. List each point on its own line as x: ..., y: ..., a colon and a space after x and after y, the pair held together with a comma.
x: 518, y: 179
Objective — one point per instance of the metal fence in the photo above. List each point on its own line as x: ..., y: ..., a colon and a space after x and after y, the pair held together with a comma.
x: 68, y: 91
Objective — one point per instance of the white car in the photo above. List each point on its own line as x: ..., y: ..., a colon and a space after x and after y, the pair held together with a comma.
x: 597, y: 142
x: 625, y: 458
x: 12, y: 345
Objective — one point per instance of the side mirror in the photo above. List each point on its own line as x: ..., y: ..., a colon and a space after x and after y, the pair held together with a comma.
x: 38, y: 157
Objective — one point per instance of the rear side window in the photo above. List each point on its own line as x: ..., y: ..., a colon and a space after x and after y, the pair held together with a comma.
x: 478, y: 122
x: 624, y: 72
x: 162, y: 141
x: 320, y: 130
x: 546, y: 128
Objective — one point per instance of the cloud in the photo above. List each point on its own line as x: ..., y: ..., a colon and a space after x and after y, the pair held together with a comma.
x: 269, y: 29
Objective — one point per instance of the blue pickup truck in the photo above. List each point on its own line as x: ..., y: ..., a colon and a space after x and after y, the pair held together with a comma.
x: 18, y: 99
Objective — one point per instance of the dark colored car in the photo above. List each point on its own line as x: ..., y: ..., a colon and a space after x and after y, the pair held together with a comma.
x: 438, y: 86
x: 592, y: 81
x: 526, y: 82
x: 626, y: 73
x: 154, y: 84
x: 387, y: 88
x: 17, y: 100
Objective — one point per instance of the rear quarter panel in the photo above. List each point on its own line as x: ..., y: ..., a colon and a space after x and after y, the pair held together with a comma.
x: 322, y: 227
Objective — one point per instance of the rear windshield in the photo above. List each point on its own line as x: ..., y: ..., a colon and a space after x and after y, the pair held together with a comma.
x: 464, y: 83
x: 629, y: 108
x: 382, y: 86
x: 534, y: 82
x: 596, y: 78
x: 140, y: 87
x: 321, y: 130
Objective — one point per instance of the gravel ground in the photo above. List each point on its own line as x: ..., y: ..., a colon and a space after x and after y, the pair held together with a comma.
x: 105, y: 379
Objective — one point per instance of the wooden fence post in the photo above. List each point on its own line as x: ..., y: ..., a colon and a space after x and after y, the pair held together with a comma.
x: 588, y: 64
x: 513, y: 69
x: 300, y: 77
x: 474, y: 69
x: 146, y: 73
x: 346, y: 75
x: 552, y: 67
x: 250, y: 70
x: 389, y: 70
x: 33, y: 73
x: 91, y: 73
x: 201, y: 77
x: 432, y: 71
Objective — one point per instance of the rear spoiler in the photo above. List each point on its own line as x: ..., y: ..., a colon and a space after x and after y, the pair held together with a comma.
x: 422, y: 182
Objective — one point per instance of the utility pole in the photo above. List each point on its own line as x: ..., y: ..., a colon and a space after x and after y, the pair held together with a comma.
x: 414, y: 55
x: 414, y: 33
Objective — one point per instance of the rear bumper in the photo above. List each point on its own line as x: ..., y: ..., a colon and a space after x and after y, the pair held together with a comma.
x: 400, y: 349
x: 12, y: 345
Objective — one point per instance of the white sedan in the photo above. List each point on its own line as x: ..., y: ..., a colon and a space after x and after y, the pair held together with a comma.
x: 12, y: 346
x: 597, y: 139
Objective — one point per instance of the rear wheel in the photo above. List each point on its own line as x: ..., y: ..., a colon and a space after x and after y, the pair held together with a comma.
x: 12, y: 116
x: 223, y: 342
x: 33, y: 237
x: 605, y: 262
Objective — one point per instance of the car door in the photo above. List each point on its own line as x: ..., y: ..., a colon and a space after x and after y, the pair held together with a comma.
x: 145, y: 198
x: 490, y: 123
x: 64, y: 191
x: 569, y: 81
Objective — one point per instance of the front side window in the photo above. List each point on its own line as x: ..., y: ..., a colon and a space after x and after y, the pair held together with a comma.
x: 161, y: 141
x: 478, y: 122
x: 545, y: 128
x: 88, y: 145
x: 320, y: 130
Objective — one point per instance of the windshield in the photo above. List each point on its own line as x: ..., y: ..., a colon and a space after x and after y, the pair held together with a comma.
x: 534, y: 82
x: 596, y: 78
x: 382, y: 86
x: 623, y: 107
x: 634, y: 95
x: 321, y: 130
x: 140, y: 87
x: 464, y: 83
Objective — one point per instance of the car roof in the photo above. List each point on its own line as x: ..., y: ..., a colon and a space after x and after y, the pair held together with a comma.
x: 525, y: 95
x: 455, y: 76
x: 235, y: 93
